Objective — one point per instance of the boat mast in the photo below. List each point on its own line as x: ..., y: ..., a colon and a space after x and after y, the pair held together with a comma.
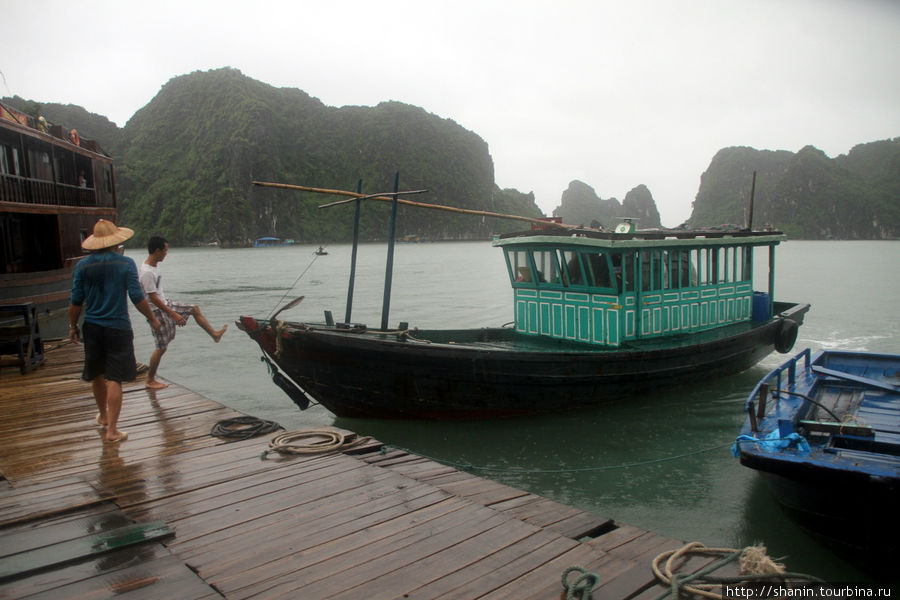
x: 389, y: 268
x: 353, y: 253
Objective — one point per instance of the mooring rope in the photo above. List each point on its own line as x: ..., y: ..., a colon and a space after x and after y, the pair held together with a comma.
x: 313, y: 441
x: 516, y: 470
x: 755, y: 567
x: 293, y: 285
x: 582, y: 586
x: 243, y: 428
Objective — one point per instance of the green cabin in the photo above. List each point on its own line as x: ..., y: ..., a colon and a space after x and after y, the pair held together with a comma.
x: 613, y: 288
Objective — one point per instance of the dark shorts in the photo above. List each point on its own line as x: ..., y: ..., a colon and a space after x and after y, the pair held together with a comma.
x: 108, y: 352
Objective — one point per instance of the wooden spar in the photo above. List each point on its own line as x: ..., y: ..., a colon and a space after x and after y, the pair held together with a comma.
x: 389, y: 198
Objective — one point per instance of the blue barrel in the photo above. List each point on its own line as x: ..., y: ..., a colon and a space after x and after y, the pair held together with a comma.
x: 761, y: 306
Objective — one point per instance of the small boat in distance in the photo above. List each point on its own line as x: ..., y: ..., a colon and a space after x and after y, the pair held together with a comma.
x: 321, y: 251
x: 54, y: 185
x: 824, y: 431
x: 597, y: 316
x: 267, y: 242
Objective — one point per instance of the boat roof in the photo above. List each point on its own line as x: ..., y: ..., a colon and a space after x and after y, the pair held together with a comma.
x: 641, y: 238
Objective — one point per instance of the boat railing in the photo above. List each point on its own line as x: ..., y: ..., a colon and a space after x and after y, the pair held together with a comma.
x: 757, y: 401
x: 25, y: 190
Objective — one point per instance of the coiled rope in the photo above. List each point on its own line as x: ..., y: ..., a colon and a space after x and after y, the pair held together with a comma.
x: 243, y: 428
x: 582, y: 586
x: 313, y: 441
x: 755, y: 567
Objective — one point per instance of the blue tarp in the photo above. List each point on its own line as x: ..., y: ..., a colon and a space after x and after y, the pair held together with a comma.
x: 773, y: 442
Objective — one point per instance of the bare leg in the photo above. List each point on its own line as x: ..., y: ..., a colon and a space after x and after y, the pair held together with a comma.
x: 98, y: 386
x: 216, y: 335
x: 113, y: 410
x: 151, y: 382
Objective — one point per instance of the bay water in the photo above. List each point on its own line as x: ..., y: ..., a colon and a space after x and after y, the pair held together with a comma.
x: 659, y: 461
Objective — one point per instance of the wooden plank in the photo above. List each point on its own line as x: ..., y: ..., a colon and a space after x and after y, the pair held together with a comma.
x: 22, y: 563
x: 156, y: 574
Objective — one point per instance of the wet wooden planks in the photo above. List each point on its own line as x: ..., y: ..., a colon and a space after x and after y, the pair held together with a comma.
x: 374, y: 524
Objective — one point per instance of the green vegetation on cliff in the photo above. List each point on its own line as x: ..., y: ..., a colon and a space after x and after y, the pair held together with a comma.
x: 805, y: 194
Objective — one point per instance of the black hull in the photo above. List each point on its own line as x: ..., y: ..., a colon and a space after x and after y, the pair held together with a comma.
x: 844, y: 510
x: 362, y: 375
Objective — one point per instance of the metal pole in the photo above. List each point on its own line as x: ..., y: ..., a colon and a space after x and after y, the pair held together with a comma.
x: 752, y: 194
x: 389, y: 268
x: 353, y: 254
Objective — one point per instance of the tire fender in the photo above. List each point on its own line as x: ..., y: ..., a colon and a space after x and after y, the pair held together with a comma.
x: 786, y: 335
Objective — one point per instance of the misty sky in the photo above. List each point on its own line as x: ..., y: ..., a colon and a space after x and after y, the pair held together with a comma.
x: 612, y: 93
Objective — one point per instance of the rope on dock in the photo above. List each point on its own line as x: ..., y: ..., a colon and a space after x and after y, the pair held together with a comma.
x: 313, y: 441
x: 755, y: 568
x: 243, y: 428
x: 582, y: 586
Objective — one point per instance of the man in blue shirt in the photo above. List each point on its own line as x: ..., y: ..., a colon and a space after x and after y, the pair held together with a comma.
x: 101, y: 283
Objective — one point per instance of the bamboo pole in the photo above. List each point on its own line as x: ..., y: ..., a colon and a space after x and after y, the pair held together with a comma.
x: 388, y: 198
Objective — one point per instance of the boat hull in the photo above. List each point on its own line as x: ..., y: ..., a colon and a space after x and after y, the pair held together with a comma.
x: 493, y: 372
x: 827, y: 443
x: 47, y: 290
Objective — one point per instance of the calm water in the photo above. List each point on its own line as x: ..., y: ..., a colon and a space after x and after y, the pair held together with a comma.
x: 622, y: 460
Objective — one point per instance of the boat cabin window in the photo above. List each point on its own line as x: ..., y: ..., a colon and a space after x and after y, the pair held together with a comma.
x: 519, y: 267
x: 547, y: 264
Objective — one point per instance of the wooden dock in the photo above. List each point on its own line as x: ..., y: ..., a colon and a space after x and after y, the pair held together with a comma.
x: 174, y: 512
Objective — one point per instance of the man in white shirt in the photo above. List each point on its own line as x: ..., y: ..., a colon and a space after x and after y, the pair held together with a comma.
x: 169, y: 313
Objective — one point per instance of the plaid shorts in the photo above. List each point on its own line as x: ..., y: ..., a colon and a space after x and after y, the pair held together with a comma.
x: 166, y: 333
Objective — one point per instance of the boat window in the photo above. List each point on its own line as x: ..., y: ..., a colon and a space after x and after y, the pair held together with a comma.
x: 519, y: 268
x: 653, y: 270
x: 574, y: 271
x: 682, y: 273
x: 599, y: 270
x: 746, y: 263
x: 623, y: 270
x: 9, y: 160
x: 547, y: 265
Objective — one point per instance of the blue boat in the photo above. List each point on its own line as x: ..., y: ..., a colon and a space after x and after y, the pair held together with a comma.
x: 267, y: 242
x: 824, y: 431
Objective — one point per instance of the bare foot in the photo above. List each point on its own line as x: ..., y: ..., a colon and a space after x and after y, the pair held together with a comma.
x: 120, y: 436
x: 218, y: 335
x: 152, y: 384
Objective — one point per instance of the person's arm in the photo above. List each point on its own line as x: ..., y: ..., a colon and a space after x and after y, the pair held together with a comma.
x: 144, y: 308
x: 74, y: 314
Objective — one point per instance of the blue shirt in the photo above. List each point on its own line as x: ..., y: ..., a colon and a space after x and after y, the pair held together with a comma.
x: 101, y: 282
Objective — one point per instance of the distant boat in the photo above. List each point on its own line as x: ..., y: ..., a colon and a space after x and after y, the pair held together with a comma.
x: 824, y: 431
x: 266, y: 242
x: 320, y: 251
x: 597, y: 316
x: 54, y: 186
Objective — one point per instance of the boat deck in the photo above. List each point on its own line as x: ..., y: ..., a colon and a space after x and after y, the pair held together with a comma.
x: 175, y: 512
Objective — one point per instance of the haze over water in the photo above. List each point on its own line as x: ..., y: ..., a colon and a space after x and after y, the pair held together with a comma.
x: 625, y: 460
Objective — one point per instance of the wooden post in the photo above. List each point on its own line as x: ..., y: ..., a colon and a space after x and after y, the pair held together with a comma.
x: 763, y: 396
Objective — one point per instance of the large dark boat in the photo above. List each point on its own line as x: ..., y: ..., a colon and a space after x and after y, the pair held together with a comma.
x: 824, y: 431
x: 597, y: 316
x: 54, y: 186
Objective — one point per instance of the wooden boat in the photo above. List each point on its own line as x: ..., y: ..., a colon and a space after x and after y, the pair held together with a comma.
x: 597, y: 316
x: 54, y: 185
x: 268, y: 242
x: 824, y: 431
